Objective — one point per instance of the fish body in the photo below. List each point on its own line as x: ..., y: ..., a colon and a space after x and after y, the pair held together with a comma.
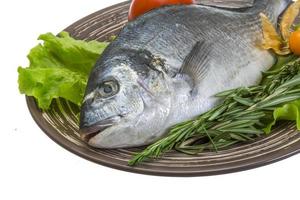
x: 166, y: 66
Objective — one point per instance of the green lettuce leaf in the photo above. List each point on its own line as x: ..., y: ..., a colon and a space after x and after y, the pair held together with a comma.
x: 289, y: 111
x: 59, y: 68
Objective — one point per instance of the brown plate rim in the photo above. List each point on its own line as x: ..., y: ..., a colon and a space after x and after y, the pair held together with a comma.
x: 36, y: 113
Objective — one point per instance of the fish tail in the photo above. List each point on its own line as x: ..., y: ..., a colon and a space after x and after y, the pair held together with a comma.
x: 271, y: 8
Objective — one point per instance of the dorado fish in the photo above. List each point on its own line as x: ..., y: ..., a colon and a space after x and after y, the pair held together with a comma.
x: 166, y: 66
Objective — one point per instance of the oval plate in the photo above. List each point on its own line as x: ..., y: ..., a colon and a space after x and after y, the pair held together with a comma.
x: 60, y: 124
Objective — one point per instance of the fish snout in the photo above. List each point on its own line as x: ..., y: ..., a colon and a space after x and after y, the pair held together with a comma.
x: 88, y: 132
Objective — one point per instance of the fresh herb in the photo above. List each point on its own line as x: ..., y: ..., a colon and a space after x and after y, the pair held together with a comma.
x: 242, y: 116
x: 59, y: 68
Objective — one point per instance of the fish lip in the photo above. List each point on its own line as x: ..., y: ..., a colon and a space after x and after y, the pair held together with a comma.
x: 87, y: 133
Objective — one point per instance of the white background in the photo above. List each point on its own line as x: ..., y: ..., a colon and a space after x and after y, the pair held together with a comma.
x: 33, y: 167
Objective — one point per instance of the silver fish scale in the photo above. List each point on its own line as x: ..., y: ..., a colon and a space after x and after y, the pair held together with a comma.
x: 235, y: 59
x: 154, y: 97
x: 174, y: 34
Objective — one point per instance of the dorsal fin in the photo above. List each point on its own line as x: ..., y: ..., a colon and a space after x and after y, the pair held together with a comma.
x: 227, y: 3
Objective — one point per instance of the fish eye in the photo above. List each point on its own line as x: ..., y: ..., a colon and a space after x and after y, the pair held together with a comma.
x: 108, y: 89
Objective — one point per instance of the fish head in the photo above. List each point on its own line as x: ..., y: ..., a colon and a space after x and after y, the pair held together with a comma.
x: 127, y: 101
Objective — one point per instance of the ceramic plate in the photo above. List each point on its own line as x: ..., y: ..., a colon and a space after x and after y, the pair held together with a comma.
x: 61, y: 125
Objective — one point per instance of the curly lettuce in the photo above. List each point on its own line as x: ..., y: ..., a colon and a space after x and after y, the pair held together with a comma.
x: 59, y: 67
x: 289, y: 112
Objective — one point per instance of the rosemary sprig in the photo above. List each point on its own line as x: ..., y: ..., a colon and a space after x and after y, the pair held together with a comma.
x: 241, y: 117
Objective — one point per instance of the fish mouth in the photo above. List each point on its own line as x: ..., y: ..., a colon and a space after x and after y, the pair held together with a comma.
x: 87, y: 133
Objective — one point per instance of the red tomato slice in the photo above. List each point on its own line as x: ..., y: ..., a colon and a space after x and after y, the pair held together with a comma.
x: 140, y: 7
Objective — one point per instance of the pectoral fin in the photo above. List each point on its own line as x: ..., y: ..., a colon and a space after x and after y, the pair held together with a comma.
x: 227, y: 3
x: 196, y: 64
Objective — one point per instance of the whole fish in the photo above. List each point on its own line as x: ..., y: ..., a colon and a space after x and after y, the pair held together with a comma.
x: 166, y: 66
